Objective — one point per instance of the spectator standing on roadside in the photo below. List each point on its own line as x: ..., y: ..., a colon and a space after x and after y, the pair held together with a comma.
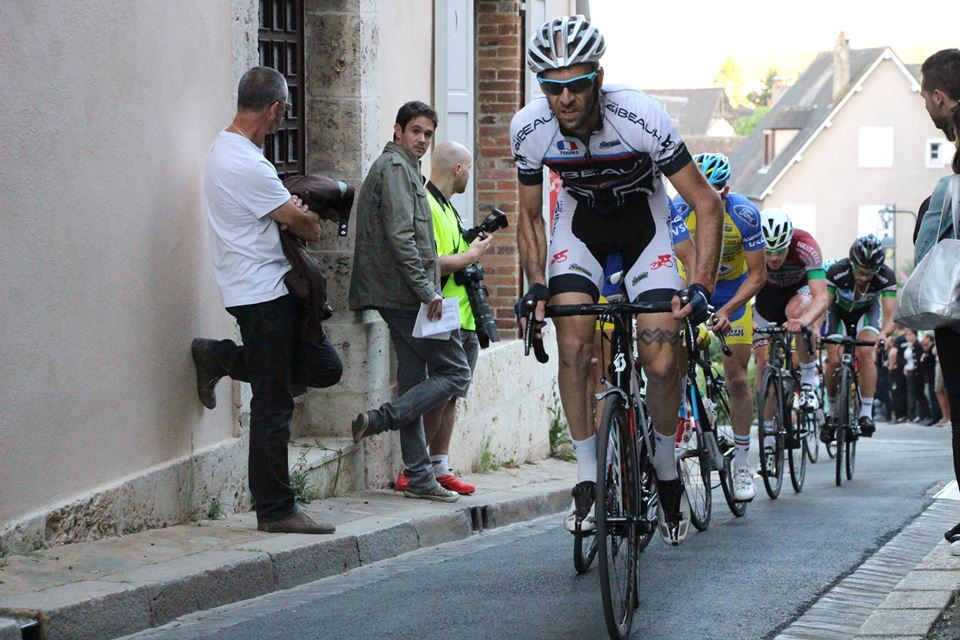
x: 898, y: 380
x: 395, y: 271
x: 928, y: 366
x: 940, y: 89
x: 246, y: 203
x: 449, y: 175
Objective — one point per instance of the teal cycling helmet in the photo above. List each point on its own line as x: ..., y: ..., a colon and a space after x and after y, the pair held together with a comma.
x: 715, y: 166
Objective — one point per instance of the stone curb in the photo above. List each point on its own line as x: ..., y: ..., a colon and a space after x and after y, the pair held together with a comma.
x: 9, y: 629
x: 148, y: 596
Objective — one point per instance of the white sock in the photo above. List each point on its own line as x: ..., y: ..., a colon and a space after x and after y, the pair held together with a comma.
x: 586, y: 451
x: 741, y: 455
x: 664, y: 456
x: 832, y: 404
x: 866, y: 407
x: 808, y: 373
x: 440, y: 463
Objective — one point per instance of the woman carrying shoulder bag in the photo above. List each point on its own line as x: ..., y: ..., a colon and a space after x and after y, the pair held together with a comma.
x: 940, y: 88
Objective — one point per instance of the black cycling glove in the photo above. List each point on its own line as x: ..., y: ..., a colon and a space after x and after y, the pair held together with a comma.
x: 696, y: 296
x: 535, y: 293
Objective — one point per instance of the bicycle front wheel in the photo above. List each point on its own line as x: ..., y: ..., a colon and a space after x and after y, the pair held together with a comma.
x: 853, y: 403
x: 811, y: 435
x: 726, y: 482
x: 843, y: 426
x: 584, y: 552
x: 770, y: 403
x: 617, y: 514
x: 796, y: 437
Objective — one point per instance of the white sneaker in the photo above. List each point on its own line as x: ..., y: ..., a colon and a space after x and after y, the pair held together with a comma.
x: 570, y: 521
x: 808, y: 398
x: 955, y: 548
x: 743, y: 489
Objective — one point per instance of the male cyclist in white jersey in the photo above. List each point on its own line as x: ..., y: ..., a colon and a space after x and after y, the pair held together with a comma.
x: 610, y: 146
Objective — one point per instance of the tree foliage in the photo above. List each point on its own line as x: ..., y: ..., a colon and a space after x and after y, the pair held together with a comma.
x: 745, y: 125
x: 730, y: 77
x: 762, y: 97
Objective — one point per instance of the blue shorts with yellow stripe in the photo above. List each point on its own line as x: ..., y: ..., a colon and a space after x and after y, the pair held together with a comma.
x: 741, y: 320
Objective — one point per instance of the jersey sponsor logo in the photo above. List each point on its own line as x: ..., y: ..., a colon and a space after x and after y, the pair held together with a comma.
x: 621, y: 112
x: 578, y: 269
x: 747, y: 214
x: 560, y: 256
x: 678, y: 228
x: 735, y: 331
x: 665, y: 260
x: 529, y: 128
x: 640, y: 276
x: 606, y: 144
x: 567, y: 145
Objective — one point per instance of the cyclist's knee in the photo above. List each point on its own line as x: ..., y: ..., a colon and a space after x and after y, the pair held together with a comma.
x: 663, y: 368
x: 574, y: 351
x: 737, y: 385
x: 865, y: 356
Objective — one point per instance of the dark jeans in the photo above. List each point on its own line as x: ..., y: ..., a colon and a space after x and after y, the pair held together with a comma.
x: 898, y: 393
x: 272, y: 359
x: 418, y: 393
x: 948, y: 353
x: 916, y: 397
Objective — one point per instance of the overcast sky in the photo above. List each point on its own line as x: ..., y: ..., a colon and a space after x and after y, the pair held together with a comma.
x: 683, y: 43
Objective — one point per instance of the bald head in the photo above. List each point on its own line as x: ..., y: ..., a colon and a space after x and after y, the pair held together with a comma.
x: 450, y: 167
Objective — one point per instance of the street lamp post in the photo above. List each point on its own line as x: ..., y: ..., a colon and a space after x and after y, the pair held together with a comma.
x: 889, y: 217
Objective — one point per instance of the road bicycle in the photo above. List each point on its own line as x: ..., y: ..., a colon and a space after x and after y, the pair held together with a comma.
x: 848, y: 406
x: 783, y: 424
x: 717, y: 405
x: 626, y: 497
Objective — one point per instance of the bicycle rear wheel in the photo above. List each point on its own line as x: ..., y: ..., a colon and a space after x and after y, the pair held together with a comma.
x: 584, y: 551
x: 795, y: 438
x: 854, y: 415
x: 617, y: 515
x: 811, y: 436
x: 771, y: 457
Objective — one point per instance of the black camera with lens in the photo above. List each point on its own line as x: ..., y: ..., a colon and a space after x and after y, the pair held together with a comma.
x: 471, y: 277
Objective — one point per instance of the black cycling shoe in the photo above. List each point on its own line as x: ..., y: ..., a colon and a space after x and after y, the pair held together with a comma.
x: 584, y: 494
x: 953, y: 534
x: 866, y: 426
x: 828, y: 431
x: 672, y: 525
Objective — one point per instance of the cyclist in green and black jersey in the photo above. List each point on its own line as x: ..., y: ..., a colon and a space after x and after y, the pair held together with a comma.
x: 860, y: 288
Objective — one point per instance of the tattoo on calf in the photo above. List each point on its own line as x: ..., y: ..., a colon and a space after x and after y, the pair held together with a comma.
x: 658, y: 336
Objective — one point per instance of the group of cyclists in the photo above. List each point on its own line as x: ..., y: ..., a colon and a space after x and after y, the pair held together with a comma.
x: 736, y: 267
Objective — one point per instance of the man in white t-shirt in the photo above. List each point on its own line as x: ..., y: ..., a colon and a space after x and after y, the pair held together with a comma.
x: 246, y: 206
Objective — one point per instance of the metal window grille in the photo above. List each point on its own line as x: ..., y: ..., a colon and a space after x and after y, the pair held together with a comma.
x: 281, y: 48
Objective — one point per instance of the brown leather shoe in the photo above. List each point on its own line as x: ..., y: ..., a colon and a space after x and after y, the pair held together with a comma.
x: 206, y: 381
x: 296, y: 522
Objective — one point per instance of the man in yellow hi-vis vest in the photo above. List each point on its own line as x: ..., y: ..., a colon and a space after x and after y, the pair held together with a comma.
x: 449, y: 175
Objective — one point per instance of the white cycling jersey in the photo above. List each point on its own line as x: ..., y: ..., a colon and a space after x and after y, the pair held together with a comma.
x: 613, y: 198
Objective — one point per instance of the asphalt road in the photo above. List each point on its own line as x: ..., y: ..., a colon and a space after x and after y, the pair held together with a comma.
x: 743, y: 578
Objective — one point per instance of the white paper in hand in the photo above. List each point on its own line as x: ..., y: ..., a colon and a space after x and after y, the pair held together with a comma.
x: 439, y: 329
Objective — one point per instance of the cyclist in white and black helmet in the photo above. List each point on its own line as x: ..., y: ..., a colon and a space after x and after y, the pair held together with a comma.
x: 860, y: 287
x: 611, y: 146
x: 795, y: 296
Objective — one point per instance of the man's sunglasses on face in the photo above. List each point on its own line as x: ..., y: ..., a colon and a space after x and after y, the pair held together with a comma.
x: 865, y: 273
x: 575, y: 85
x: 776, y: 252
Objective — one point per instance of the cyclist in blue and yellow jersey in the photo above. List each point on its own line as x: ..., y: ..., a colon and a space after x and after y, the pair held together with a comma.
x: 742, y: 273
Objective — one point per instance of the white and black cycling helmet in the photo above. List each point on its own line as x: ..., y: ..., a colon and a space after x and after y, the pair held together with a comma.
x: 563, y: 42
x: 777, y: 228
x: 866, y: 252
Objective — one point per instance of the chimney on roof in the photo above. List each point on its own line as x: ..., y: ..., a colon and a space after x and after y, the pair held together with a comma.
x: 841, y: 67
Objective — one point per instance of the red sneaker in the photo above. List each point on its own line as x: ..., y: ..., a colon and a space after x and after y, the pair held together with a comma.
x: 451, y: 482
x: 401, y: 483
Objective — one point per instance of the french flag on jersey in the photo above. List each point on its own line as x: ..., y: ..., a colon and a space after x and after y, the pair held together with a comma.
x: 565, y: 145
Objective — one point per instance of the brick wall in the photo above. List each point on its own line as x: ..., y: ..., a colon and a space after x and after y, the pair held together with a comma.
x: 499, y: 94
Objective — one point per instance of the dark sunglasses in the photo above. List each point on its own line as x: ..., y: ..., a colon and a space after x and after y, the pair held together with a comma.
x: 575, y: 85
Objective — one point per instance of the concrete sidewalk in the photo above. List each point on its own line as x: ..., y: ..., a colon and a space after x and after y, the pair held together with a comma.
x: 118, y: 586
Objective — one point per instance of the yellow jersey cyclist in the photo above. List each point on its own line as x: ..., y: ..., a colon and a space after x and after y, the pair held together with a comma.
x: 859, y: 287
x: 742, y: 273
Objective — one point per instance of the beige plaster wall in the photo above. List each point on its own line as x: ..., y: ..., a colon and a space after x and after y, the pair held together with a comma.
x: 109, y: 109
x: 829, y: 176
x: 406, y: 61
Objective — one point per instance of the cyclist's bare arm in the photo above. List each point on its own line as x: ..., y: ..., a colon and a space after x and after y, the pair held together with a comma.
x: 756, y: 276
x: 687, y: 253
x: 532, y: 239
x: 819, y: 304
x: 889, y: 306
x: 703, y: 199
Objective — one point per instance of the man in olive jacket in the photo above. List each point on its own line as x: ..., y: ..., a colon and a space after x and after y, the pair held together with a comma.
x: 395, y: 269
